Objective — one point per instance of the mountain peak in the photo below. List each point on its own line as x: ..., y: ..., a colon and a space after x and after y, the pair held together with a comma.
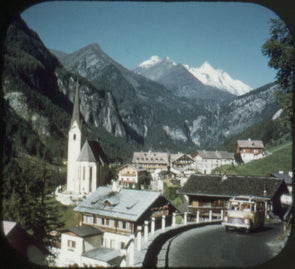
x: 218, y: 79
x: 150, y: 62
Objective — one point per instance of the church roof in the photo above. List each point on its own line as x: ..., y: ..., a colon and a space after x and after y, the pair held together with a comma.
x: 76, y: 111
x: 92, y: 152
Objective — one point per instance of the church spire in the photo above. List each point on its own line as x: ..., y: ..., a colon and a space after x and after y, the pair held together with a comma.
x: 76, y: 111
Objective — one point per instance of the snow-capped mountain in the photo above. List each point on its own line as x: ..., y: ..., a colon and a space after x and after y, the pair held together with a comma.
x: 181, y: 82
x: 219, y: 79
x: 156, y: 69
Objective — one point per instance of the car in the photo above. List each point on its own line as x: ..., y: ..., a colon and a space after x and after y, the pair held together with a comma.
x: 244, y: 212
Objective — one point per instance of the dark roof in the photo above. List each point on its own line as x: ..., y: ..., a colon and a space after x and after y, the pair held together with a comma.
x: 85, y: 230
x: 92, y: 152
x: 216, y: 185
x: 76, y: 111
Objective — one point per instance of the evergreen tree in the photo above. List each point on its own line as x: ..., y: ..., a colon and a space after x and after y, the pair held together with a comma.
x: 280, y: 49
x: 26, y: 199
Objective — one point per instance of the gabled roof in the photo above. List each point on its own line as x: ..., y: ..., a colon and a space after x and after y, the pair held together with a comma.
x: 250, y: 143
x: 92, y: 152
x: 131, y: 166
x: 127, y: 204
x: 205, y: 154
x: 175, y: 157
x: 85, y: 230
x: 216, y: 185
x: 150, y: 157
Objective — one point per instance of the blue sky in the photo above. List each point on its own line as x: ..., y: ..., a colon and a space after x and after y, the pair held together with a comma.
x: 227, y: 35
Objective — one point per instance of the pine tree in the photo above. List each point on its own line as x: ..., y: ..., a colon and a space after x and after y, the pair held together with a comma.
x: 26, y: 199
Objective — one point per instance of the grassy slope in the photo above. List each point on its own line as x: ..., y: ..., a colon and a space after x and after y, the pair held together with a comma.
x: 280, y: 159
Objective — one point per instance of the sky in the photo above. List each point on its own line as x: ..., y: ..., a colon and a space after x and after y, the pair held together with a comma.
x: 227, y: 35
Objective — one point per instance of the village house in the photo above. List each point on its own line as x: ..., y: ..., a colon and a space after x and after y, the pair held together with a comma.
x: 212, y: 192
x: 151, y: 160
x: 206, y: 161
x: 132, y: 176
x: 250, y: 150
x: 181, y: 161
x: 115, y: 213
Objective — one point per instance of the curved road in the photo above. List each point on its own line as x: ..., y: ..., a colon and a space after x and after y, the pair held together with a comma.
x: 211, y: 246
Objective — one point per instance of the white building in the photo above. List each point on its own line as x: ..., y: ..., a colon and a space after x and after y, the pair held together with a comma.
x: 87, y: 168
x: 206, y: 161
x: 130, y: 175
x: 82, y: 246
x: 250, y: 150
x: 109, y: 216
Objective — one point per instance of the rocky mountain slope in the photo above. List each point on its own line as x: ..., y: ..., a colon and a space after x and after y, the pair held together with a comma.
x: 124, y: 110
x: 41, y: 91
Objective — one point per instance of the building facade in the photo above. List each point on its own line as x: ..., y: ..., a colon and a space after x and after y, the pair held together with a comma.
x: 151, y: 160
x: 130, y: 175
x: 250, y: 150
x: 206, y: 161
x: 212, y: 192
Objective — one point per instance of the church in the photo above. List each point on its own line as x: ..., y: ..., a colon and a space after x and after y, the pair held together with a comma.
x: 87, y: 167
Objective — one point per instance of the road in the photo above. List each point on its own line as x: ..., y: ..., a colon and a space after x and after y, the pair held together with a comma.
x: 211, y: 246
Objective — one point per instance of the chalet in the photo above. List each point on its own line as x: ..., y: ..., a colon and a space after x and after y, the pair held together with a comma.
x: 108, y: 217
x: 212, y: 192
x: 130, y: 176
x: 250, y: 150
x: 206, y: 161
x: 181, y: 161
x: 23, y: 243
x: 151, y: 160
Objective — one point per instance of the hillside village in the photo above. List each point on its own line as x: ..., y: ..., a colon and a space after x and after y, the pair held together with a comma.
x: 118, y: 205
x: 112, y: 212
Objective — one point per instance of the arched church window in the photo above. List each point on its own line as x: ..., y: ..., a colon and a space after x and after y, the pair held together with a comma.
x: 74, y: 136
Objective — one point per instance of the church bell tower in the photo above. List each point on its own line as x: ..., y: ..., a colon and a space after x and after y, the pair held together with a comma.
x: 74, y: 144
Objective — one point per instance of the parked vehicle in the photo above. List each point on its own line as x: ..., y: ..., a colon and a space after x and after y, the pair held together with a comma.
x: 245, y: 212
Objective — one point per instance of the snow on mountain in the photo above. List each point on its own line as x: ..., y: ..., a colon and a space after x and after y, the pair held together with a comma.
x: 150, y: 62
x: 219, y: 79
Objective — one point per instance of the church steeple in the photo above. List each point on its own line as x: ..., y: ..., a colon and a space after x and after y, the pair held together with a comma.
x: 76, y: 111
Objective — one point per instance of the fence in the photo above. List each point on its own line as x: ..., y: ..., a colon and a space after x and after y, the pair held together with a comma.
x: 135, y: 251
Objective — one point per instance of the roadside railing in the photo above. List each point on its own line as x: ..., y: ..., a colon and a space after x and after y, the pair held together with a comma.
x: 135, y: 250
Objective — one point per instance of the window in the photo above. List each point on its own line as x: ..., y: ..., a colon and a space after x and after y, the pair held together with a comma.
x: 74, y: 136
x: 83, y: 172
x: 71, y: 244
x: 98, y: 221
x: 122, y: 245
